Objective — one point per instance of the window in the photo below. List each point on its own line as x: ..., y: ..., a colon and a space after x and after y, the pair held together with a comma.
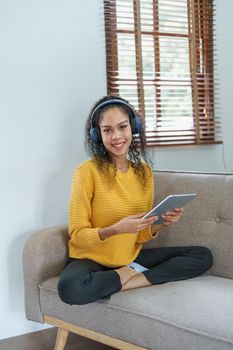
x: 159, y: 56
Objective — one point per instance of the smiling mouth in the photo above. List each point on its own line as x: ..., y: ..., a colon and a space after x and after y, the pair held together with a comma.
x: 118, y: 145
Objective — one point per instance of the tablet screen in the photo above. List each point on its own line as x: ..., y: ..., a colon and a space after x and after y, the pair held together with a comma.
x: 168, y: 204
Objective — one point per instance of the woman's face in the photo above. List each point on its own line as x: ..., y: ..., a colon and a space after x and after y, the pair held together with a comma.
x: 116, y: 132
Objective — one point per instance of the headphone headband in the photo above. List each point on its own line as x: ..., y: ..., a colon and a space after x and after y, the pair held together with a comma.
x: 109, y: 102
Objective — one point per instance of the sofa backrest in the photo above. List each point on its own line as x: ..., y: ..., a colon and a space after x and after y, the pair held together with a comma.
x: 207, y: 219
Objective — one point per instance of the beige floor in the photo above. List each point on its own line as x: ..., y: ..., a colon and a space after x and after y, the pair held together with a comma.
x: 45, y: 340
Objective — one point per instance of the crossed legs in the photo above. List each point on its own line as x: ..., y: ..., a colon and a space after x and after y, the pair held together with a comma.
x: 166, y: 264
x: 84, y: 281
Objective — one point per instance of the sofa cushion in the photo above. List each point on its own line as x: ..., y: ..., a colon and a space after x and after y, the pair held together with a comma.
x: 191, y: 314
x: 207, y: 219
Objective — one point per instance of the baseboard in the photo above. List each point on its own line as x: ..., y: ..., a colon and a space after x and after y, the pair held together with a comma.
x: 40, y: 340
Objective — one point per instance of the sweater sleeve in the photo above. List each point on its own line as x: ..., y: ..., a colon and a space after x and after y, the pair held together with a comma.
x: 145, y: 235
x: 80, y: 228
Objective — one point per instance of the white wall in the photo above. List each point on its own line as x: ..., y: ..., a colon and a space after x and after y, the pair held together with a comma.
x: 52, y: 68
x: 224, y: 51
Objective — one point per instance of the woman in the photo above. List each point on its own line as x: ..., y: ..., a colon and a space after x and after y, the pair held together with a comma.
x: 110, y: 195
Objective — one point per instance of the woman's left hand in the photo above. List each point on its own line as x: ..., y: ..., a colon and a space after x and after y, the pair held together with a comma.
x: 169, y: 218
x: 172, y: 217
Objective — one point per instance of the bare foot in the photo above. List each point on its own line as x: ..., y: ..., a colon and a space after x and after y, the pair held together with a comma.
x: 136, y: 281
x: 126, y: 273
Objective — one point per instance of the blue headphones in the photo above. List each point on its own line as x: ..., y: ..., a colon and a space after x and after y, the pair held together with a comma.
x: 135, y: 121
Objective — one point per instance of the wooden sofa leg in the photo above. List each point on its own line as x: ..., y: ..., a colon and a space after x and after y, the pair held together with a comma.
x: 61, y: 339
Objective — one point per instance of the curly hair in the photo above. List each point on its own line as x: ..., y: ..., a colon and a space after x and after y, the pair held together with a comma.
x: 137, y: 149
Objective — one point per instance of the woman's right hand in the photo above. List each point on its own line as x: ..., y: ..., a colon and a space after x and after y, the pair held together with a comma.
x: 133, y: 223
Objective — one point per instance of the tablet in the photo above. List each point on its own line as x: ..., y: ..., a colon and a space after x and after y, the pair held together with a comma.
x: 168, y: 204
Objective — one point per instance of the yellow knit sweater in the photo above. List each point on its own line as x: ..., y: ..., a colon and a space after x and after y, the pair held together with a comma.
x: 96, y: 204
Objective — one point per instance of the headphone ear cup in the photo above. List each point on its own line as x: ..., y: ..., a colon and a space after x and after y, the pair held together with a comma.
x: 94, y: 135
x: 136, y: 125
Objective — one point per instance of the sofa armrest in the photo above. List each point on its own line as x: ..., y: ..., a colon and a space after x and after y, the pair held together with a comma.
x: 44, y: 256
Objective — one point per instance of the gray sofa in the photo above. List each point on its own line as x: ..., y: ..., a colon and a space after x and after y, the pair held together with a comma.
x: 185, y: 315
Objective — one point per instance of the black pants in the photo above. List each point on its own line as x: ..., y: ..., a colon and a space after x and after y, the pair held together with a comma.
x: 84, y: 281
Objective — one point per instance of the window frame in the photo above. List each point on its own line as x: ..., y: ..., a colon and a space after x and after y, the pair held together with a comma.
x: 205, y: 129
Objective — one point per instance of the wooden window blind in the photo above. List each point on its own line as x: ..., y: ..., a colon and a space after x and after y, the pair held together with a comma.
x: 159, y: 56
